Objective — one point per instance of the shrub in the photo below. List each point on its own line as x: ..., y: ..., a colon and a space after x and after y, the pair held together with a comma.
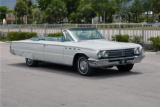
x: 121, y: 38
x: 55, y: 34
x: 1, y: 36
x: 20, y: 35
x: 155, y: 42
x: 136, y: 39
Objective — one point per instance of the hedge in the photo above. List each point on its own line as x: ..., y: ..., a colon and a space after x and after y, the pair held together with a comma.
x: 1, y: 35
x: 55, y: 34
x: 121, y: 38
x: 20, y: 35
x: 136, y: 39
x: 155, y: 42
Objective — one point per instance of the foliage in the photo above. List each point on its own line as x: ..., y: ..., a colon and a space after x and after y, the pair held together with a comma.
x: 86, y: 12
x: 54, y: 34
x: 52, y: 11
x: 99, y: 7
x: 43, y: 4
x: 21, y: 8
x: 29, y: 6
x: 74, y: 18
x: 20, y: 35
x: 3, y: 11
x: 122, y: 9
x: 142, y: 18
x: 1, y: 35
x: 72, y: 5
x: 137, y: 9
x: 55, y: 11
x: 147, y: 4
x: 110, y: 11
x: 37, y: 14
x: 136, y: 39
x: 155, y: 41
x: 156, y: 7
x: 121, y: 38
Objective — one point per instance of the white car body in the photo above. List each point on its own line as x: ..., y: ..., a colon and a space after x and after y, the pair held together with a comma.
x: 66, y: 51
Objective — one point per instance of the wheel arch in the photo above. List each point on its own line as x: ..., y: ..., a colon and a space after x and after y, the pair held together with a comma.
x: 76, y: 57
x: 27, y: 55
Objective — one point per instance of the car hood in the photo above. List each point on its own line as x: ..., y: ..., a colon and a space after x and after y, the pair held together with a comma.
x: 105, y: 45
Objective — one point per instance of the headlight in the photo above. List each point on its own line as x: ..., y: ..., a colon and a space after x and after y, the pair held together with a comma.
x: 99, y: 54
x: 137, y: 51
x: 103, y: 54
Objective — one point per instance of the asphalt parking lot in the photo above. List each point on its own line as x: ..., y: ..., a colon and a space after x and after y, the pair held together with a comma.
x: 51, y: 85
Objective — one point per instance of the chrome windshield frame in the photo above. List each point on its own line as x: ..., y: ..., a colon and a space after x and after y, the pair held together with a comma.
x: 76, y: 40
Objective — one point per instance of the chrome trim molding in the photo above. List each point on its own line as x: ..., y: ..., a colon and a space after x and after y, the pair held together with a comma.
x: 114, y: 61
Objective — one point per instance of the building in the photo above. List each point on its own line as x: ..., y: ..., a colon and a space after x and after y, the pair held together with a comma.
x: 10, y: 18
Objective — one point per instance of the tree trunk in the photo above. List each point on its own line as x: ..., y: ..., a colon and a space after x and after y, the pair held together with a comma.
x: 19, y: 22
x: 22, y: 19
x: 136, y: 18
x: 159, y: 18
x: 99, y: 18
x: 152, y: 16
x: 147, y: 16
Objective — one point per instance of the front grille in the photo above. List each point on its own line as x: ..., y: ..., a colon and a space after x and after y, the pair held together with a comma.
x: 120, y: 53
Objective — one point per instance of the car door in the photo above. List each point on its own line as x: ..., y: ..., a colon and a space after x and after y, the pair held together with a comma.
x: 54, y: 52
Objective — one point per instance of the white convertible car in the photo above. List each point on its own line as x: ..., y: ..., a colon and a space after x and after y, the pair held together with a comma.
x: 83, y: 48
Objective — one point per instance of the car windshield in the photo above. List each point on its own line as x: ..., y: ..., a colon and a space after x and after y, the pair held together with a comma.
x: 86, y: 34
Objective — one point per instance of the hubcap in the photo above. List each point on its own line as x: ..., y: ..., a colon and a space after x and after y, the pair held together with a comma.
x: 29, y: 61
x: 83, y: 66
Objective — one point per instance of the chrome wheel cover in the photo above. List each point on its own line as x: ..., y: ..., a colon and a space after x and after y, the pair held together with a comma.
x: 29, y: 61
x: 83, y: 65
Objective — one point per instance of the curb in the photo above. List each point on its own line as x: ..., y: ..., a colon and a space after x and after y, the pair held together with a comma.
x: 158, y: 52
x: 8, y: 42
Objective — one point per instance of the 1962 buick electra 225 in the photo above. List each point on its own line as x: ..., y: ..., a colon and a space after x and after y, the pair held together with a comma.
x: 83, y: 48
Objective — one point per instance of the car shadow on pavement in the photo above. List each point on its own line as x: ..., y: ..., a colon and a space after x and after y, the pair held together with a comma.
x: 69, y: 71
x: 112, y: 72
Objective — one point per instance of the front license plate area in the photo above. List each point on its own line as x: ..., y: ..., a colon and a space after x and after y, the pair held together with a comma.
x: 123, y: 61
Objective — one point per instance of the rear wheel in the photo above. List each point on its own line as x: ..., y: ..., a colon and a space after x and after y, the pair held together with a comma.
x: 83, y: 67
x: 31, y: 62
x: 125, y: 68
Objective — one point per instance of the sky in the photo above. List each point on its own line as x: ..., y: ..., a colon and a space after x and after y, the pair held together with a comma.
x: 10, y: 3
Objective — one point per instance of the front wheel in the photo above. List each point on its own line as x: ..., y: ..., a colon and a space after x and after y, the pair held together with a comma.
x: 125, y: 68
x: 83, y: 67
x: 31, y: 62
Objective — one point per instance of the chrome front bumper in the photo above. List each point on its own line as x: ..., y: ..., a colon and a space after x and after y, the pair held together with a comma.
x: 114, y: 61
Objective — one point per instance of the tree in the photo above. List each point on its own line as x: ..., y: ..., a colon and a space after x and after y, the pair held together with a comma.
x: 74, y: 17
x: 72, y: 5
x: 137, y: 9
x: 29, y: 6
x: 99, y: 6
x: 20, y: 9
x: 43, y: 4
x: 156, y: 7
x: 36, y: 14
x: 3, y: 12
x: 147, y: 7
x: 110, y: 10
x: 55, y: 11
x: 87, y: 13
x: 122, y: 9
